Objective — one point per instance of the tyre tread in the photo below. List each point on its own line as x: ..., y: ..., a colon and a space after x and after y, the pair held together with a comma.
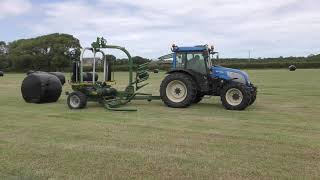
x: 191, y: 89
x: 82, y: 97
x: 246, y: 96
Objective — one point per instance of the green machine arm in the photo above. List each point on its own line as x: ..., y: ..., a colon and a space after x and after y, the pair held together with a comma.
x: 101, y: 43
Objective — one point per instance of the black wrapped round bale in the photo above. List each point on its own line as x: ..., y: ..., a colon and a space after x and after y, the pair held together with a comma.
x: 30, y: 72
x: 60, y: 76
x: 1, y: 73
x: 87, y: 76
x: 41, y: 88
x: 292, y: 68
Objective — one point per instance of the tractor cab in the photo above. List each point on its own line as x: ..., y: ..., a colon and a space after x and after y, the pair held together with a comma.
x: 196, y: 59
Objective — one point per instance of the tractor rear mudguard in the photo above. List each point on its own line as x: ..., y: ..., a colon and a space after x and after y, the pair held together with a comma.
x: 201, y: 80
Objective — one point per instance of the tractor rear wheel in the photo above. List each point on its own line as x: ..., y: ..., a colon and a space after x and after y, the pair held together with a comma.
x: 235, y: 96
x: 178, y: 90
x: 77, y: 100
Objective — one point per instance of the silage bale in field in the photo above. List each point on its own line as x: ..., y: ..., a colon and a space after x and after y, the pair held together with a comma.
x: 292, y: 68
x: 41, y: 88
x: 1, y: 73
x: 60, y: 76
x: 30, y: 72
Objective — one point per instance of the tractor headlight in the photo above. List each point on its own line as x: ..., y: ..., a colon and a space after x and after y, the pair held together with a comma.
x: 237, y: 77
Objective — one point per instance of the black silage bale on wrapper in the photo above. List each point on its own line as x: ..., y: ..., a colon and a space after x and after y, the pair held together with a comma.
x: 88, y: 77
x: 41, y: 88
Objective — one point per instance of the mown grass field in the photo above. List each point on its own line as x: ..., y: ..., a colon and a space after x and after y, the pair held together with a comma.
x: 276, y: 138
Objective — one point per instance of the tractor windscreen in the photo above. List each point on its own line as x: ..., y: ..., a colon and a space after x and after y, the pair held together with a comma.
x: 196, y: 62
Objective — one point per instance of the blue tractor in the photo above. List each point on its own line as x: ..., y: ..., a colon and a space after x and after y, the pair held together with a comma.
x: 193, y: 76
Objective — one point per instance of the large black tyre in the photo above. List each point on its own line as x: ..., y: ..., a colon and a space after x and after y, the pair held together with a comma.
x: 253, y: 98
x: 235, y: 96
x: 178, y: 90
x: 77, y: 100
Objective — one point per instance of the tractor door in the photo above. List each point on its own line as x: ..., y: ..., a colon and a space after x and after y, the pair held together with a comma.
x: 196, y: 62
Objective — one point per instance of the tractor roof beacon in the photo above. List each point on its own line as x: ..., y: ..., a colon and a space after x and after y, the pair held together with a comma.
x: 102, y: 92
x: 193, y: 76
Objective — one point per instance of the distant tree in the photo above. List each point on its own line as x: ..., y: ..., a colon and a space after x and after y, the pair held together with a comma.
x: 4, y: 62
x: 311, y: 55
x: 140, y: 60
x: 49, y: 53
x: 3, y: 48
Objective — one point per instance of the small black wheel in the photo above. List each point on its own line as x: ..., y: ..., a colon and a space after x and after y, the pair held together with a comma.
x: 235, y: 96
x: 77, y: 100
x: 178, y: 90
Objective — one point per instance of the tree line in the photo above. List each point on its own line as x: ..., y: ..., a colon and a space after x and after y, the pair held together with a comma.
x: 56, y: 52
x: 53, y: 52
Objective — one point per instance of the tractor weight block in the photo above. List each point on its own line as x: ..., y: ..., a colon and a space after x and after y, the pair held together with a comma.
x: 41, y: 88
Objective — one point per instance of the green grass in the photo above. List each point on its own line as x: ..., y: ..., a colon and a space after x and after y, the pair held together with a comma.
x: 276, y: 138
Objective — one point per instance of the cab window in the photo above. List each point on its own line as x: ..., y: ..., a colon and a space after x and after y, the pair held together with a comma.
x: 196, y: 62
x: 180, y: 60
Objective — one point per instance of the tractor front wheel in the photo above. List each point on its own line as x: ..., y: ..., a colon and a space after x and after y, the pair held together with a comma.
x: 178, y: 90
x: 77, y: 100
x: 235, y: 96
x: 253, y: 94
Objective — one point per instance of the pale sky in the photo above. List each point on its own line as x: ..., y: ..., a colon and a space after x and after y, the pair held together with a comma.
x: 269, y: 28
